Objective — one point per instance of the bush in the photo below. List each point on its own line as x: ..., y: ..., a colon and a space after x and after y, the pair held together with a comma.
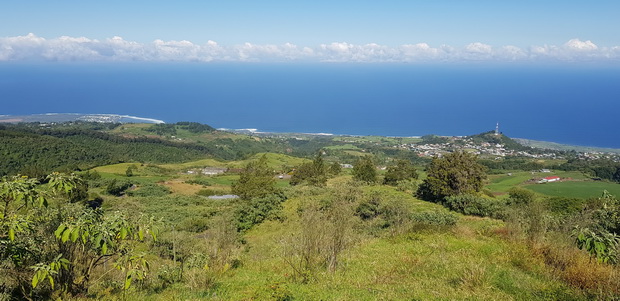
x: 150, y: 190
x: 402, y: 170
x: 435, y: 218
x: 206, y: 192
x: 474, y: 205
x: 396, y: 214
x: 520, y: 196
x: 407, y: 185
x: 368, y: 209
x: 94, y: 201
x: 195, y: 224
x: 90, y: 175
x: 565, y: 206
x: 257, y: 210
x: 117, y: 188
x: 204, y: 181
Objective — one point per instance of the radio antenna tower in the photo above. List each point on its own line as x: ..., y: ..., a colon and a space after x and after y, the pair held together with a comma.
x: 497, y: 129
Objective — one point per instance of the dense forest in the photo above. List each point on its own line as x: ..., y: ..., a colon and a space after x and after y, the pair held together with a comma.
x: 35, y: 150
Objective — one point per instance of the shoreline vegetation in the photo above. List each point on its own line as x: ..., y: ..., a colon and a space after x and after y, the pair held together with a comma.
x: 116, y: 118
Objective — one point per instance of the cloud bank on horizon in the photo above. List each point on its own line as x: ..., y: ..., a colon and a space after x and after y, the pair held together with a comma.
x: 34, y: 48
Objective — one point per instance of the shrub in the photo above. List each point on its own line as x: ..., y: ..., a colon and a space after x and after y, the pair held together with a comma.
x: 435, y: 218
x: 396, y: 214
x: 520, y: 196
x: 324, y: 233
x: 407, y: 185
x: 194, y: 224
x: 117, y: 188
x: 565, y: 206
x: 257, y: 210
x: 369, y: 208
x: 149, y: 190
x: 402, y: 170
x: 94, y: 201
x: 474, y: 205
x: 314, y: 173
x: 199, y: 181
x: 256, y: 181
x: 532, y: 220
x: 206, y: 192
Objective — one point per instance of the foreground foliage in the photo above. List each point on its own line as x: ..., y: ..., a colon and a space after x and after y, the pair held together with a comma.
x: 52, y: 247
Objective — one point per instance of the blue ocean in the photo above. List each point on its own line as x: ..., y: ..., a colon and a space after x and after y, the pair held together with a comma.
x: 570, y: 103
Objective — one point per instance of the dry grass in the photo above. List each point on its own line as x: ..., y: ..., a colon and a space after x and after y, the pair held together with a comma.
x: 180, y: 187
x: 579, y: 270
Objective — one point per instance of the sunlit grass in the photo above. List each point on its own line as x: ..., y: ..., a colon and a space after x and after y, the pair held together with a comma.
x: 576, y: 189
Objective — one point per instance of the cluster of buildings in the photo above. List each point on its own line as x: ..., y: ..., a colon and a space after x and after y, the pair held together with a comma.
x: 598, y: 155
x: 207, y: 171
x: 469, y: 145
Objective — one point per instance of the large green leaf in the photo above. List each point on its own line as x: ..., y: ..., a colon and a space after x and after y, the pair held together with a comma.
x: 59, y: 230
x: 127, y: 282
x: 75, y: 233
x: 65, y: 235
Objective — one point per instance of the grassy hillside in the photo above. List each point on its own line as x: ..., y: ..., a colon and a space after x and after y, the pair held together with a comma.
x: 346, y: 240
x: 468, y: 260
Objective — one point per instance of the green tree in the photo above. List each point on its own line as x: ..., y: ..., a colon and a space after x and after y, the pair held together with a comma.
x: 402, y: 170
x: 117, y: 188
x: 50, y: 251
x: 454, y: 174
x: 255, y: 181
x: 335, y: 168
x: 521, y: 196
x: 314, y: 173
x: 129, y: 171
x: 364, y: 170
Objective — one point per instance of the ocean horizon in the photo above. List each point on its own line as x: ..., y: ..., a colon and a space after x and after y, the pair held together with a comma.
x: 569, y: 104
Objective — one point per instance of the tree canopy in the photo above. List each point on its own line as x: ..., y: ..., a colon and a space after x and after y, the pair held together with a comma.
x: 402, y: 170
x: 364, y: 170
x: 255, y: 181
x: 314, y: 173
x: 454, y: 174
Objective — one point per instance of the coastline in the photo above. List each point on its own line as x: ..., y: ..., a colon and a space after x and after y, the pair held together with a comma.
x: 118, y: 118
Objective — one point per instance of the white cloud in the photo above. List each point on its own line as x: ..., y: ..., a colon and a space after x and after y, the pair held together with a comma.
x: 477, y: 52
x: 32, y: 47
x: 511, y: 53
x: 578, y: 45
x: 421, y: 52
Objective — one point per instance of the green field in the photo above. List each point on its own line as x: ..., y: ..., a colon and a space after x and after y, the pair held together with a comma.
x: 576, y: 189
x: 347, y: 146
x: 502, y: 183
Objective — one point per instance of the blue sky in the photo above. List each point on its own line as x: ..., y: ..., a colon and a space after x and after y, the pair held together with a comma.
x: 456, y: 23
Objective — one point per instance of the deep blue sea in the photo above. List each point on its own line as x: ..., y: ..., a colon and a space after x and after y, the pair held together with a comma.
x: 573, y: 104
